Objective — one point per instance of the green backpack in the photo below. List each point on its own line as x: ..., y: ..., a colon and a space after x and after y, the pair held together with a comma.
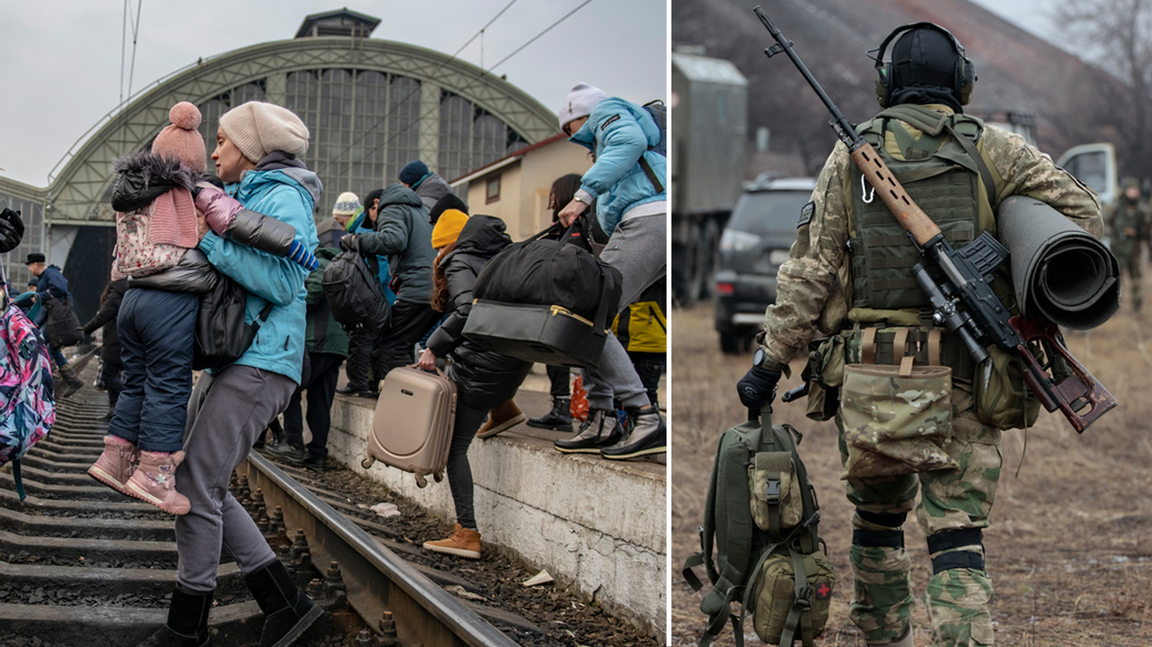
x: 760, y: 519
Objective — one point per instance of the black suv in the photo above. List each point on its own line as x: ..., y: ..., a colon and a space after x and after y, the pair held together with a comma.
x: 755, y: 243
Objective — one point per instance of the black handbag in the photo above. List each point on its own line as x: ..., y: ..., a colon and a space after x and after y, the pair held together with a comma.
x: 547, y: 301
x: 61, y: 325
x: 222, y: 335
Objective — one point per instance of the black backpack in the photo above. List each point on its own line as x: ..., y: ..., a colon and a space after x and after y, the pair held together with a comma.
x: 354, y: 293
x: 222, y: 335
x: 773, y: 563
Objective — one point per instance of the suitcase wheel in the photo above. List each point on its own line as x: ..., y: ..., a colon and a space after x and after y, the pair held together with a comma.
x: 438, y: 476
x: 421, y: 482
x: 368, y: 462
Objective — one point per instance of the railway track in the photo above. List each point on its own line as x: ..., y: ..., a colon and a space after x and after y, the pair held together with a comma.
x: 81, y: 564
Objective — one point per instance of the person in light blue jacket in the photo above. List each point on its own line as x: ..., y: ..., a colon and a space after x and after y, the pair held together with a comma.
x: 257, y: 146
x: 627, y: 184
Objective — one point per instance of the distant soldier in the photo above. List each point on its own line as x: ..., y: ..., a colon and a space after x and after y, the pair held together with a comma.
x: 1128, y: 229
x: 849, y: 277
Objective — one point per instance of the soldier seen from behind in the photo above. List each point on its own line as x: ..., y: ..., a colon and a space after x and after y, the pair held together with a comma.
x: 1127, y: 223
x: 849, y: 278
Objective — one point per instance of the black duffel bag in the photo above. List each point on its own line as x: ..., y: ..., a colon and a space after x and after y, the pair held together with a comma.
x: 222, y: 335
x: 547, y: 301
x: 61, y: 325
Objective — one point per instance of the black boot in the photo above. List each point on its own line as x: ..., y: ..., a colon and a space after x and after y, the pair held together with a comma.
x: 71, y: 383
x: 559, y: 418
x: 288, y: 612
x: 187, y: 624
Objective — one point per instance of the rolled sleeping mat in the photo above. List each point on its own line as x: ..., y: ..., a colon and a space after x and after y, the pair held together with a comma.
x: 1059, y: 271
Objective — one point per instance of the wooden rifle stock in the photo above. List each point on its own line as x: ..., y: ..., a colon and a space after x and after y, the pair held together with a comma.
x: 910, y: 216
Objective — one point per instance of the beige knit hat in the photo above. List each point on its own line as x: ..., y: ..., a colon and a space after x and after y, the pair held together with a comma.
x: 258, y: 128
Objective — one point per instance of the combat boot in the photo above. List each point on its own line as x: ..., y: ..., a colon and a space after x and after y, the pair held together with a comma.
x: 559, y: 418
x: 906, y: 641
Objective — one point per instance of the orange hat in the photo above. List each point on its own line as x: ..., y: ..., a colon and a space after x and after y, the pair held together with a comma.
x: 448, y: 227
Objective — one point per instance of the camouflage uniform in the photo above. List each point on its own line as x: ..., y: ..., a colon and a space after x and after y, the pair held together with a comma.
x: 1127, y: 222
x: 954, y: 503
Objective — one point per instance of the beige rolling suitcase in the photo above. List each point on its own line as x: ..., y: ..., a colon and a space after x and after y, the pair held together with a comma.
x: 412, y: 425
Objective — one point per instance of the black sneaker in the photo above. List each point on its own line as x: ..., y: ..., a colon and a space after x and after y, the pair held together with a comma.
x: 290, y: 453
x: 350, y: 389
x: 649, y: 436
x: 601, y: 429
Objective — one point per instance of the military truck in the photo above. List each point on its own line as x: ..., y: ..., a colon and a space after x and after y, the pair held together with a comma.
x: 709, y: 107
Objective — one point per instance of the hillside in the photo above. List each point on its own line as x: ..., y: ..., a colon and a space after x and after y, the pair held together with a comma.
x: 1016, y: 71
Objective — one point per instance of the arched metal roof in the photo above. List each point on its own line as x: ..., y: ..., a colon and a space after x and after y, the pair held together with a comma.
x: 79, y: 193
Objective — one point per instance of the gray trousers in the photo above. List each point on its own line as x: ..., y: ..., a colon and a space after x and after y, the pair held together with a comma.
x: 225, y: 414
x: 638, y: 248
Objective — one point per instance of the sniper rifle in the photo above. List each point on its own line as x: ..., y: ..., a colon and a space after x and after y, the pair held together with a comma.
x: 959, y: 282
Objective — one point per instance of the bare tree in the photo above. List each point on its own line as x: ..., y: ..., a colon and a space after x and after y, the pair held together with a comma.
x: 1116, y: 35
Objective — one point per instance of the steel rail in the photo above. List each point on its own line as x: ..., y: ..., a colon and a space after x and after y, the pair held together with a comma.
x: 377, y: 580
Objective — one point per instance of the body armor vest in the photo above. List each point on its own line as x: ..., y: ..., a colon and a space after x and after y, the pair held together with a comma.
x: 941, y: 177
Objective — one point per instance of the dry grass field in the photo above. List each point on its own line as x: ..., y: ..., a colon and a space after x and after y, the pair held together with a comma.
x: 1070, y: 547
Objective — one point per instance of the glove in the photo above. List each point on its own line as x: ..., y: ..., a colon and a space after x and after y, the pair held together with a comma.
x: 757, y: 387
x: 11, y: 230
x: 219, y: 208
x: 301, y: 255
x: 348, y: 243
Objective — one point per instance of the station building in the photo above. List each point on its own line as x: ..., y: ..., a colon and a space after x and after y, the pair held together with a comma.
x: 371, y: 105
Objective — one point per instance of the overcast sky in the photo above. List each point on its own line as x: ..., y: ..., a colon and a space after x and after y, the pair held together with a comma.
x: 1032, y: 15
x: 61, y: 69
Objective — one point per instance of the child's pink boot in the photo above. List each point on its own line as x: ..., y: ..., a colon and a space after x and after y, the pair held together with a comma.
x: 154, y: 481
x: 116, y: 464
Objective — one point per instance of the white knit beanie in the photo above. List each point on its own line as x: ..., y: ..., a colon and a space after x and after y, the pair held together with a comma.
x: 347, y: 204
x: 258, y: 128
x: 581, y: 100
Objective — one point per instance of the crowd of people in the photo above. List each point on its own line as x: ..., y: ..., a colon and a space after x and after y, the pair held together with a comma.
x: 175, y: 435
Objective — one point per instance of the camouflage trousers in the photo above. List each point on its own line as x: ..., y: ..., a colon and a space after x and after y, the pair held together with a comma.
x: 958, y: 599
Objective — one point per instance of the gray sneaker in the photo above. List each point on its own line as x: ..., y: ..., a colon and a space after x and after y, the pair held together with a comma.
x: 649, y: 436
x: 600, y: 429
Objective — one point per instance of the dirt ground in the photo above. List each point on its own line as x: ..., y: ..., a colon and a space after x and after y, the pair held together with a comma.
x: 1070, y: 547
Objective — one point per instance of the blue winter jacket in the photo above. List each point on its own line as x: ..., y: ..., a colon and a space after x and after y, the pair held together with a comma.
x: 289, y: 195
x: 51, y: 285
x: 618, y: 132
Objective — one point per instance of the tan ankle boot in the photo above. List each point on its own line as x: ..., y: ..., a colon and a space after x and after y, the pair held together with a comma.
x: 502, y: 418
x: 463, y: 542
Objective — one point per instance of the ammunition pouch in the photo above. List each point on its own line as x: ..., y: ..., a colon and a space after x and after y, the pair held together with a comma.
x: 895, y: 418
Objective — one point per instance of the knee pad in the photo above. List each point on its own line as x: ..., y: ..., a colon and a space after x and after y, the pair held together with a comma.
x: 945, y: 544
x: 893, y: 538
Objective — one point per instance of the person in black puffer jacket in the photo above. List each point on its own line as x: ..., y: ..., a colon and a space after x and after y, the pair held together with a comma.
x: 483, y: 379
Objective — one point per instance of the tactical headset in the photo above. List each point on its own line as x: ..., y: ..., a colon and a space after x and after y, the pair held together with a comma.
x: 964, y: 76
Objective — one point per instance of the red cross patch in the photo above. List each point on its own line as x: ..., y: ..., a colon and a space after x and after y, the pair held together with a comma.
x: 823, y: 591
